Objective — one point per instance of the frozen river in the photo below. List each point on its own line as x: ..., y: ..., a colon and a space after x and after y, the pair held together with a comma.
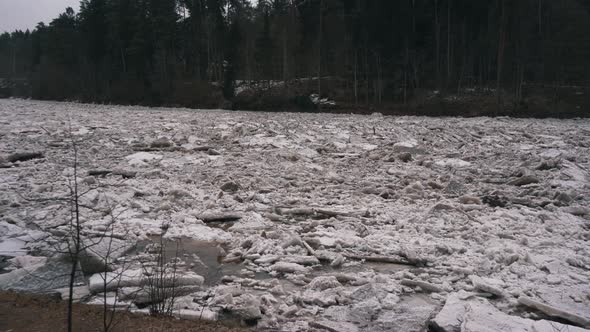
x: 296, y: 222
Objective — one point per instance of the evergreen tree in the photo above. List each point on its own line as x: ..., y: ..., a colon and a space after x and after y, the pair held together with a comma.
x: 264, y: 49
x: 231, y: 60
x: 368, y: 52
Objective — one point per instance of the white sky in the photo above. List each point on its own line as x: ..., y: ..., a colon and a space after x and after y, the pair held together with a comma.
x: 25, y: 14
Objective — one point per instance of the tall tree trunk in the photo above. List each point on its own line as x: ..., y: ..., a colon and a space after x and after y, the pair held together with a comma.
x: 123, y: 62
x: 379, y: 78
x: 14, y: 59
x: 320, y: 50
x: 406, y: 71
x: 539, y: 14
x: 285, y: 59
x: 356, y: 95
x: 501, y: 48
x: 367, y: 74
x: 449, y: 60
x: 464, y: 60
x: 437, y: 36
x: 248, y: 64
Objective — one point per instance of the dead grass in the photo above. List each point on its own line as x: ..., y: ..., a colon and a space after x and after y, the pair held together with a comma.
x: 35, y: 313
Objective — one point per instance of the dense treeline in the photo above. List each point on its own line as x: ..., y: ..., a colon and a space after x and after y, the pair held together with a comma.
x: 359, y: 53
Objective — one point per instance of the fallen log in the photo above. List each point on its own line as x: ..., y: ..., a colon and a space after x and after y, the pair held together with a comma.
x: 125, y: 174
x: 309, y: 211
x: 308, y: 248
x: 332, y: 213
x: 104, y: 172
x: 298, y: 211
x: 231, y: 260
x: 143, y: 148
x: 333, y: 326
x: 381, y: 259
x: 425, y: 286
x: 202, y: 148
x: 99, y: 172
x: 219, y: 217
x: 24, y: 156
x: 554, y: 312
x: 529, y: 202
x: 344, y: 155
x: 523, y: 181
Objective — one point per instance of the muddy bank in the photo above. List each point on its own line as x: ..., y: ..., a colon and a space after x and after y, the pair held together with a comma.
x: 26, y: 312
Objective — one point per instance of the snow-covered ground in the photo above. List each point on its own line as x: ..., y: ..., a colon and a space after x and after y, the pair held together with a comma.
x: 322, y: 221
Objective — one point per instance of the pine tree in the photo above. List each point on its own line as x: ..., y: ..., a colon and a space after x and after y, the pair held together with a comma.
x: 231, y: 60
x: 264, y: 50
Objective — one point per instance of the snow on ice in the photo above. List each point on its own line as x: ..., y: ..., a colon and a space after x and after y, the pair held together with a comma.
x: 303, y: 222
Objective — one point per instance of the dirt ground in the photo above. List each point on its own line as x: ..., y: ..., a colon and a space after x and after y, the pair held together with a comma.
x: 34, y: 313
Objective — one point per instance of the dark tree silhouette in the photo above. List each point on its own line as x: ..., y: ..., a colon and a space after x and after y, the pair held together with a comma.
x: 373, y: 53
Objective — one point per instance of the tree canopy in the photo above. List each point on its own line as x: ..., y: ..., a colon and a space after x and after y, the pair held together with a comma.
x: 361, y: 52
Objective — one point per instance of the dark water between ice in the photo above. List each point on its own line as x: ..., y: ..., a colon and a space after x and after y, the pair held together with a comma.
x: 203, y: 258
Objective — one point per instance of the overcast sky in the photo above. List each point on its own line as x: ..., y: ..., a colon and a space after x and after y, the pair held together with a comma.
x: 25, y: 14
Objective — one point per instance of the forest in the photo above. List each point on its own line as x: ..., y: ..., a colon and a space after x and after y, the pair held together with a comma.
x: 435, y: 57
